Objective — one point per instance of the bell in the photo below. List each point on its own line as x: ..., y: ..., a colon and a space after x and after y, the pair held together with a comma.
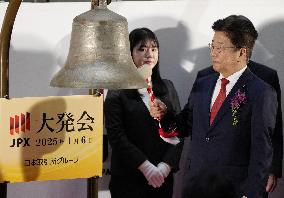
x: 99, y: 54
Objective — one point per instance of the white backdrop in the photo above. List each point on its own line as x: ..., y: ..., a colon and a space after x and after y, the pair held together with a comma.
x: 40, y: 42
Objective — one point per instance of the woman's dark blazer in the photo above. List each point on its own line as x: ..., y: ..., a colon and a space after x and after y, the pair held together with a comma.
x: 133, y: 133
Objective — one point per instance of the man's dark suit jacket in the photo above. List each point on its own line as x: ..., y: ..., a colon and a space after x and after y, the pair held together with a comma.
x: 269, y: 76
x: 242, y: 152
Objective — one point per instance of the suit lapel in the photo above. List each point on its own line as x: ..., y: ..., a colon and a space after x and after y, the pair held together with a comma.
x: 134, y: 95
x: 206, y: 96
x: 240, y: 84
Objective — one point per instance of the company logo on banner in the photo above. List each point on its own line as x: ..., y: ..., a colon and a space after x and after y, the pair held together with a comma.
x: 15, y: 121
x: 51, y: 138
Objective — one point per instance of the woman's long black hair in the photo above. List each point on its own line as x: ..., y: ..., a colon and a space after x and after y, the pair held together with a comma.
x: 142, y: 35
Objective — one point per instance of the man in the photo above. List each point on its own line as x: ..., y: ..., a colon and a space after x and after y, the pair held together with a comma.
x: 230, y: 114
x: 270, y: 76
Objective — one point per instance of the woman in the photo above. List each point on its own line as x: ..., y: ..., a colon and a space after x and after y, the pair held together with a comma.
x: 142, y: 164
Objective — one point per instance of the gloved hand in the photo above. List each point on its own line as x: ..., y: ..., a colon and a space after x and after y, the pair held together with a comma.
x: 154, y: 177
x: 164, y: 168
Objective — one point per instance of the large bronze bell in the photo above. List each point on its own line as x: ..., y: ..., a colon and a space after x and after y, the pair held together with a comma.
x: 99, y: 53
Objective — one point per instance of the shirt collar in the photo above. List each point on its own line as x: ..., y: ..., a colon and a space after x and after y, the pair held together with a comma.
x: 235, y: 76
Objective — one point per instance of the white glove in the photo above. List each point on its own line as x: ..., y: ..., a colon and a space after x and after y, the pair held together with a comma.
x: 171, y: 140
x: 164, y: 168
x: 152, y: 174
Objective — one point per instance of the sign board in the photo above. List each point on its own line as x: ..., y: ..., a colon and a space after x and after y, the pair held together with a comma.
x: 50, y: 138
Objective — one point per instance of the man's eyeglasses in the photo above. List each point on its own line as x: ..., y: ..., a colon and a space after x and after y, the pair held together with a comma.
x: 218, y: 48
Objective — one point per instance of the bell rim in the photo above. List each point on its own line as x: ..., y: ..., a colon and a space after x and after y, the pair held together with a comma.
x: 99, y: 75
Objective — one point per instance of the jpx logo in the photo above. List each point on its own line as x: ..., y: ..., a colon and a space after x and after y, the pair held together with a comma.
x: 20, y: 123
